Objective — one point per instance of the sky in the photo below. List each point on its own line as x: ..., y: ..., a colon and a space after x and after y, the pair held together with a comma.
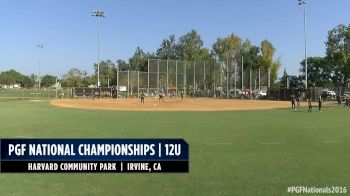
x: 69, y: 32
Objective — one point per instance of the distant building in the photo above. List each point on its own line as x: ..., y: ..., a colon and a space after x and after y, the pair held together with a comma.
x: 11, y: 86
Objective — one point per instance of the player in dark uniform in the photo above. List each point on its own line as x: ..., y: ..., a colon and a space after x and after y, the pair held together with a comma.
x: 319, y: 100
x: 142, y: 97
x: 161, y: 97
x: 293, y: 103
x: 310, y: 105
x: 182, y: 95
x: 339, y: 100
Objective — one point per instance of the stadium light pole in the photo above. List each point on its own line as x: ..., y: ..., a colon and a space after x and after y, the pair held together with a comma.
x: 39, y: 46
x: 99, y: 14
x: 303, y: 3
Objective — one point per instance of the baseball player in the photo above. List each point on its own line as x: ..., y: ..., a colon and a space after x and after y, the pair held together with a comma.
x: 309, y: 104
x: 142, y: 97
x: 161, y: 97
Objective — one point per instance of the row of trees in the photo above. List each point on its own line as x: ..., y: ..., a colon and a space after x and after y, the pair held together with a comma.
x: 190, y: 47
x: 333, y: 69
x: 12, y: 77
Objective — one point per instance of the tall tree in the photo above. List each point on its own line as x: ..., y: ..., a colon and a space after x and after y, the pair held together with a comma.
x: 28, y: 82
x: 266, y: 60
x: 14, y: 77
x: 74, y: 78
x: 138, y: 62
x: 319, y: 72
x: 48, y: 80
x: 6, y: 79
x: 107, y: 70
x: 294, y: 81
x: 250, y: 54
x: 122, y: 65
x: 168, y: 49
x: 338, y: 53
x: 227, y: 48
x: 189, y: 46
x: 267, y: 53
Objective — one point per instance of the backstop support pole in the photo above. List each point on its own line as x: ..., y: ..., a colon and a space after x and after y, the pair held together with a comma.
x: 167, y: 76
x: 250, y: 81
x: 176, y: 78
x: 117, y: 83
x: 221, y: 79
x: 158, y: 77
x: 242, y: 75
x: 128, y: 83
x: 194, y: 77
x: 205, y: 88
x: 259, y: 79
x: 268, y: 78
x: 214, y: 83
x: 227, y: 80
x: 185, y: 85
x: 148, y: 78
x: 138, y: 83
x: 235, y: 82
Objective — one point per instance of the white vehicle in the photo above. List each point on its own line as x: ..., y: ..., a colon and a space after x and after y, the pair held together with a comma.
x: 238, y: 93
x: 328, y: 94
x: 332, y: 93
x: 262, y: 93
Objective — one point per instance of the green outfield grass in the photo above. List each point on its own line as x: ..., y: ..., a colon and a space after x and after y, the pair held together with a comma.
x: 33, y: 93
x: 231, y: 153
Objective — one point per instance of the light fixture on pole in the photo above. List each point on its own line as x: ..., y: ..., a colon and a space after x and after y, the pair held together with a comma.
x: 99, y: 14
x: 39, y: 46
x: 303, y: 3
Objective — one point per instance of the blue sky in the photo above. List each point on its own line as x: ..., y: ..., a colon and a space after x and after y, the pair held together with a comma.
x: 69, y: 32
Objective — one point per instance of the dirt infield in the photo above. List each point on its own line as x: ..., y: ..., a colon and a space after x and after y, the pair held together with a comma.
x: 170, y: 104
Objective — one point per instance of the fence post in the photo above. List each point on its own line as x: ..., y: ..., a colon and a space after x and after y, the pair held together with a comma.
x: 158, y: 77
x: 221, y: 80
x: 128, y: 83
x: 117, y: 83
x: 259, y: 79
x: 268, y: 77
x: 167, y: 76
x: 250, y: 79
x: 214, y: 76
x: 185, y: 85
x: 194, y: 77
x: 227, y: 82
x: 138, y: 83
x: 242, y: 75
x: 235, y: 82
x: 205, y: 88
x: 176, y: 78
x: 148, y: 77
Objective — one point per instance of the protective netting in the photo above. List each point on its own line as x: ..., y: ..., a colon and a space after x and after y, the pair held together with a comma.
x: 194, y: 78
